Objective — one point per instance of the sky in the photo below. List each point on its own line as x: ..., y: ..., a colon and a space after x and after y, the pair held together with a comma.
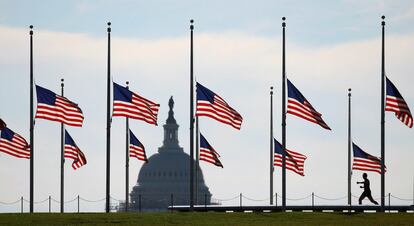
x: 330, y: 47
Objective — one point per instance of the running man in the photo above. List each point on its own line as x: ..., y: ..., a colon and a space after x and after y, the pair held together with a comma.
x: 367, y: 190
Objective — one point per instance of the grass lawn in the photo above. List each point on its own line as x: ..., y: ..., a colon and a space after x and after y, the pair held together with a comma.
x: 239, y: 219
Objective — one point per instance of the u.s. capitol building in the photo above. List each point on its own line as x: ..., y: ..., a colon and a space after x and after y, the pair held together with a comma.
x: 167, y: 175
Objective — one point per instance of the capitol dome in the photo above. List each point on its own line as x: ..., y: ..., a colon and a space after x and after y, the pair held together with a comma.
x: 165, y: 179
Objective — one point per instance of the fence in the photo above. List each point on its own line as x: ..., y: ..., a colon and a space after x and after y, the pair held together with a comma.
x: 311, y: 199
x: 80, y: 204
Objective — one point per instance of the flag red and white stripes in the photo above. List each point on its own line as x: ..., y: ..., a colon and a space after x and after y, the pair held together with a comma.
x: 401, y: 110
x: 394, y: 102
x: 364, y: 161
x: 294, y: 161
x: 51, y: 106
x: 13, y: 144
x: 72, y: 151
x: 208, y: 153
x: 77, y: 155
x: 212, y: 105
x: 136, y: 148
x: 300, y: 107
x: 137, y: 152
x: 366, y: 165
x: 305, y: 111
x: 131, y: 105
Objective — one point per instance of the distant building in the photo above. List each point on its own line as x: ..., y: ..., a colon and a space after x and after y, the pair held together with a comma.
x: 166, y: 175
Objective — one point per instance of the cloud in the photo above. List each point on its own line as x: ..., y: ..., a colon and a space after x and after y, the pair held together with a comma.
x: 408, y: 15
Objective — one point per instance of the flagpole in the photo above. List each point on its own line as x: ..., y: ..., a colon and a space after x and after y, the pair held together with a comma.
x: 31, y: 122
x: 191, y: 118
x: 383, y: 117
x: 271, y: 145
x: 108, y: 123
x: 62, y: 158
x: 283, y: 116
x: 127, y: 161
x: 197, y: 144
x: 349, y: 148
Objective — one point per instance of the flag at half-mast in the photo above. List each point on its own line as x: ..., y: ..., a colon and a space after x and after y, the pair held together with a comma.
x: 131, y: 105
x: 208, y: 153
x: 136, y: 148
x: 300, y: 107
x: 294, y: 161
x: 364, y: 161
x: 51, y: 106
x: 396, y: 103
x: 13, y: 144
x: 72, y: 151
x: 212, y: 105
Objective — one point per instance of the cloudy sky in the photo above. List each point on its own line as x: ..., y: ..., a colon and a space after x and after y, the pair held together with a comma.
x: 330, y: 47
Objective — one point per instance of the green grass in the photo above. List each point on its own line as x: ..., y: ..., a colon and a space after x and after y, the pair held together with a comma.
x: 239, y: 219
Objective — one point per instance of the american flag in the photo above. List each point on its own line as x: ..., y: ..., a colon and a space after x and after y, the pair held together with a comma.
x: 136, y: 149
x: 51, y: 106
x: 212, y: 105
x: 364, y: 161
x: 294, y: 161
x: 207, y: 152
x: 13, y: 144
x: 396, y: 103
x: 132, y: 105
x: 72, y: 151
x: 300, y: 107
